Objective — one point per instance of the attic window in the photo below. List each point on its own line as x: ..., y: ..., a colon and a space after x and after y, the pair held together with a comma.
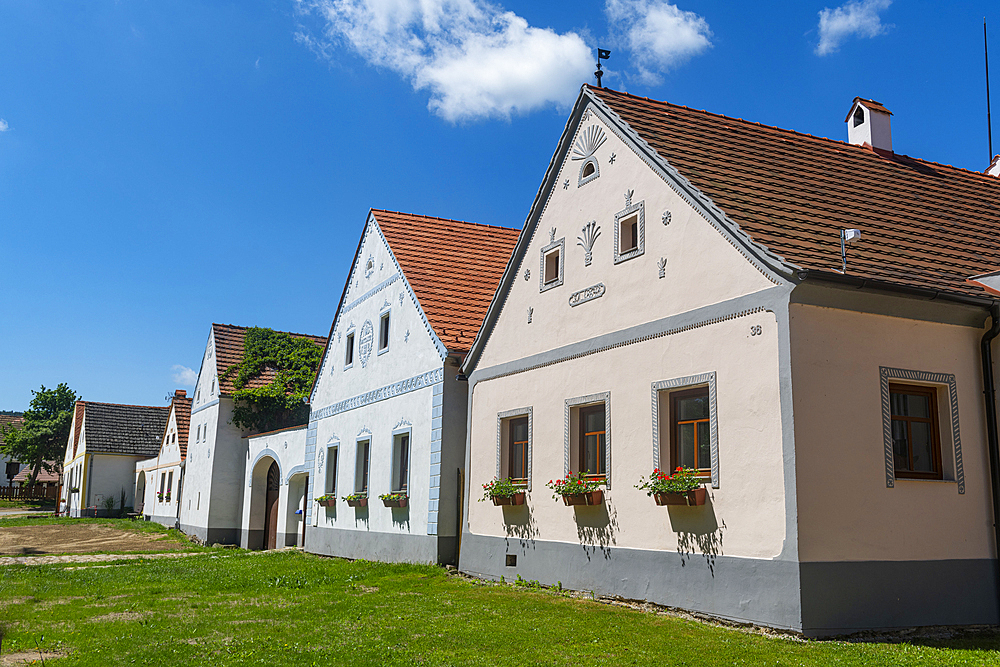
x: 628, y: 234
x: 552, y: 264
x: 383, y: 333
x: 859, y: 116
x: 349, y: 351
x: 589, y: 169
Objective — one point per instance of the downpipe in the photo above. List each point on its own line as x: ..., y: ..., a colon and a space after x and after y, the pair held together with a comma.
x: 989, y: 394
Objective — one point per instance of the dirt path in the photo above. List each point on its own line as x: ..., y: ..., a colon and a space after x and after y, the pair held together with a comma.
x: 78, y: 538
x: 89, y: 558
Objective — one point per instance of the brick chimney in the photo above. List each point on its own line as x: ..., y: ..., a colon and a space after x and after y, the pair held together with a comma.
x: 180, y: 393
x: 869, y: 123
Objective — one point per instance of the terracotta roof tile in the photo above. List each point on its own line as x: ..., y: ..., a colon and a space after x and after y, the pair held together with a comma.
x: 229, y: 352
x: 923, y: 224
x: 182, y: 414
x: 43, y: 474
x: 871, y: 104
x: 454, y: 268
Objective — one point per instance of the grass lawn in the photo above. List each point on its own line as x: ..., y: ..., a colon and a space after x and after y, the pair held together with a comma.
x: 28, y: 504
x: 230, y: 607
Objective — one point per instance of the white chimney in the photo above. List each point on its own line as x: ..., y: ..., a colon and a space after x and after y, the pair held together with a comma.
x: 994, y: 168
x: 868, y: 123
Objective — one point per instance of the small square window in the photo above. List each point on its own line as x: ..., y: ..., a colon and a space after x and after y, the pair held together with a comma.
x: 361, y: 467
x: 916, y: 442
x: 349, y: 351
x: 383, y: 332
x: 628, y: 234
x: 552, y: 265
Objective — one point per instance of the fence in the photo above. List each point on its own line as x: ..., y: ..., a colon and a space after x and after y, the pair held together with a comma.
x: 38, y: 492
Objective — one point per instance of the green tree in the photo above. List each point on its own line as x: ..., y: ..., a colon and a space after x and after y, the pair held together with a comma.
x: 43, y: 435
x: 281, y: 402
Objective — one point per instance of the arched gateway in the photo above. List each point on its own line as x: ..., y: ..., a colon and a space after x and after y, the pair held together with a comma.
x: 271, y: 506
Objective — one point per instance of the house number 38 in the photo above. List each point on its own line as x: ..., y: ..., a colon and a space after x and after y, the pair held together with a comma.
x: 755, y: 330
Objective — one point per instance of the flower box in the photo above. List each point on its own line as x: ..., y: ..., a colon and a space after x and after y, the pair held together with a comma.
x: 394, y: 502
x: 587, y: 498
x: 357, y: 502
x: 693, y: 497
x: 515, y: 499
x: 327, y: 502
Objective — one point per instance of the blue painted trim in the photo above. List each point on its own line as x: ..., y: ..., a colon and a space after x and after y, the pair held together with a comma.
x: 382, y: 393
x: 297, y: 470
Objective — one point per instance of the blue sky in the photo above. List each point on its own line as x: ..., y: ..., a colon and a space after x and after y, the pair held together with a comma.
x: 167, y: 165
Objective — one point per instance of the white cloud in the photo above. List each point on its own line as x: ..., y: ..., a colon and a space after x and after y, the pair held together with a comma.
x: 475, y: 59
x: 659, y: 35
x: 3, y: 125
x: 858, y: 17
x: 184, y: 376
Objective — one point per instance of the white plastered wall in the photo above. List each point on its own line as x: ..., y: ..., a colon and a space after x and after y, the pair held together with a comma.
x: 287, y: 448
x: 702, y: 266
x: 846, y: 511
x: 745, y: 516
x: 167, y: 462
x: 412, y: 353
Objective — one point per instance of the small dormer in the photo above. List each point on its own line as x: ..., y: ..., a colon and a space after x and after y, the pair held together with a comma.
x: 869, y: 123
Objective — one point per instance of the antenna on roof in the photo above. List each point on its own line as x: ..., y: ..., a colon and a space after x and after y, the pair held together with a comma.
x: 847, y: 237
x: 989, y: 123
x: 604, y: 54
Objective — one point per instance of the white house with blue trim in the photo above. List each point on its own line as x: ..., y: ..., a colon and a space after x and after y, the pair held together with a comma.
x: 388, y: 413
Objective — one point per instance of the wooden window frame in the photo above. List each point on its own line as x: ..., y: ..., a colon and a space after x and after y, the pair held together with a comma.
x: 582, y: 413
x: 513, y: 445
x: 673, y: 397
x: 931, y: 394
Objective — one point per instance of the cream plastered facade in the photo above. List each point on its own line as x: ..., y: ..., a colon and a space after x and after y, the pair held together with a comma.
x: 163, y: 469
x: 702, y: 266
x: 212, y: 507
x: 380, y: 396
x: 96, y: 475
x: 285, y: 447
x: 846, y: 511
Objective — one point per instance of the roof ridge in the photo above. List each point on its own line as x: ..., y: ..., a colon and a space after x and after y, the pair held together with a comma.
x: 805, y: 135
x: 435, y: 217
x: 126, y: 405
x: 290, y: 333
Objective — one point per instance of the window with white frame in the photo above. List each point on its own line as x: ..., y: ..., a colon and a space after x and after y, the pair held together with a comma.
x: 349, y: 351
x: 587, y: 438
x: 514, y: 445
x: 630, y: 231
x: 331, y: 469
x: 383, y: 332
x: 400, y: 462
x: 552, y: 264
x: 362, y: 463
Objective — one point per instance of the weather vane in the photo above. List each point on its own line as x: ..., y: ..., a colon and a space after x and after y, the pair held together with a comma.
x: 602, y: 54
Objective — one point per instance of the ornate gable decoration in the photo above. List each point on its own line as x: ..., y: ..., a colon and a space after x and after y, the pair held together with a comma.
x: 586, y: 145
x: 365, y: 342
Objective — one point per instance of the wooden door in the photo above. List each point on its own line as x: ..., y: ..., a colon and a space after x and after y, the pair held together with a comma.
x: 271, y: 507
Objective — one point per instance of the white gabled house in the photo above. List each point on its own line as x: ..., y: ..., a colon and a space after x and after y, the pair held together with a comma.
x: 680, y: 296
x: 216, y: 460
x: 159, y: 480
x: 105, y: 443
x: 388, y: 412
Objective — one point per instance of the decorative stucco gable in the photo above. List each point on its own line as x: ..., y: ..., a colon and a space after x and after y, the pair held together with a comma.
x: 615, y: 239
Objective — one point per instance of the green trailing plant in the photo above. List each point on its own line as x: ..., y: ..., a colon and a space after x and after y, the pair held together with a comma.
x: 279, y: 403
x: 355, y: 496
x: 500, y: 488
x: 399, y: 495
x: 681, y: 480
x: 325, y: 497
x: 573, y: 483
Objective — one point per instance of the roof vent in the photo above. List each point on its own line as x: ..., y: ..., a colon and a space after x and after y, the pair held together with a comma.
x: 868, y: 123
x: 994, y: 168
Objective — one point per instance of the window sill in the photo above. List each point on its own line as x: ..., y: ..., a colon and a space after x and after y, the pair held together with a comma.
x: 382, y: 351
x: 931, y: 481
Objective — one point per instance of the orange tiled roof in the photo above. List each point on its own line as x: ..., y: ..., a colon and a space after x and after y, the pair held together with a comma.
x: 182, y: 414
x: 229, y: 352
x: 454, y: 268
x: 78, y: 424
x: 923, y: 224
x: 44, y: 476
